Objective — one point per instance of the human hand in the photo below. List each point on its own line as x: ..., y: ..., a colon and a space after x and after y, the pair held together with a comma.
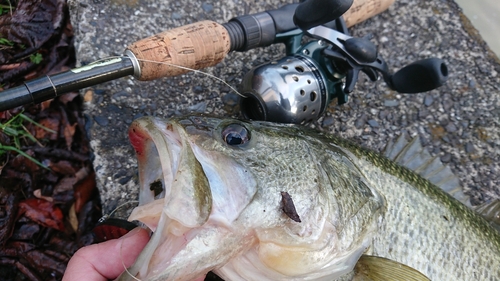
x: 104, y: 261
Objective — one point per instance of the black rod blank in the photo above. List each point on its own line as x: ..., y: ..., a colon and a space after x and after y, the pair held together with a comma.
x: 48, y: 87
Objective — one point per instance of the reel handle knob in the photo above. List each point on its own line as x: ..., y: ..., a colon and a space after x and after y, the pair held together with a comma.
x: 420, y: 76
x: 311, y: 13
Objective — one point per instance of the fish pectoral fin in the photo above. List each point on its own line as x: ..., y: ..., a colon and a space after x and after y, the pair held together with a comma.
x: 373, y: 268
x: 491, y: 212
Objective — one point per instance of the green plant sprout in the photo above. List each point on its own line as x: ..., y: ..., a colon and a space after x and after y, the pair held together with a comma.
x: 4, y: 9
x: 6, y: 42
x: 36, y: 58
x: 15, y: 129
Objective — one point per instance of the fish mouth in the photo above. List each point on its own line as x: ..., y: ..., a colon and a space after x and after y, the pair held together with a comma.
x: 170, y: 176
x: 172, y: 184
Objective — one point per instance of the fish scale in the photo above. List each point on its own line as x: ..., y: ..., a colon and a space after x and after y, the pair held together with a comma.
x: 414, y: 203
x: 360, y: 212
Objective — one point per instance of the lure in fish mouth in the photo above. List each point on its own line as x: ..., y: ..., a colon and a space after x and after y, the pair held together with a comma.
x: 212, y: 192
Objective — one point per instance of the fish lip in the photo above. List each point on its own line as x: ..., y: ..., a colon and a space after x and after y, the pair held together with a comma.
x: 155, y: 146
x: 169, y: 173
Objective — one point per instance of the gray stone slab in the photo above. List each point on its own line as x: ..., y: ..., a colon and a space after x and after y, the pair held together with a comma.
x: 458, y: 122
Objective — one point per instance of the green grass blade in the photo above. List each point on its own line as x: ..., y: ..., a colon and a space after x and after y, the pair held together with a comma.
x: 11, y: 148
x: 36, y: 123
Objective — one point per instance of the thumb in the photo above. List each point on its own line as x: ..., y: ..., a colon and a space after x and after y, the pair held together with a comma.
x: 106, y: 260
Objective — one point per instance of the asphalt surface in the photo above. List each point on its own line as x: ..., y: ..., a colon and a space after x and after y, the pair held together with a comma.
x: 458, y: 122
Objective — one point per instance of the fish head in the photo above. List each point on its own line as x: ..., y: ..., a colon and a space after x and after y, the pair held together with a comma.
x: 212, y: 191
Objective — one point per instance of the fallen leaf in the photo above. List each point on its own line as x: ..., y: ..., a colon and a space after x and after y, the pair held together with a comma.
x: 45, y: 104
x: 51, y: 123
x: 27, y: 231
x: 5, y: 115
x: 40, y: 260
x: 38, y: 194
x: 62, y: 167
x: 84, y: 190
x: 68, y: 97
x: 9, y: 66
x: 73, y: 219
x: 82, y: 173
x: 69, y: 132
x: 43, y: 212
x: 22, y: 163
x: 8, y: 207
x: 64, y: 185
x: 88, y: 96
x: 31, y: 75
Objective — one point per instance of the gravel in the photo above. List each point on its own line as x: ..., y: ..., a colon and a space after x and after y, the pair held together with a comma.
x: 458, y: 122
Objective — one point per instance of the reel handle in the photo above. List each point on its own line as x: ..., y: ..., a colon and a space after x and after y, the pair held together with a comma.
x: 420, y: 76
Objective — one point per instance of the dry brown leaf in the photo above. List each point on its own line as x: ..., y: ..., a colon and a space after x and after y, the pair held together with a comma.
x: 5, y: 115
x: 42, y: 212
x: 9, y: 66
x: 88, y: 96
x: 68, y: 97
x: 63, y: 167
x: 73, y: 218
x: 31, y: 75
x: 69, y: 132
x: 64, y: 185
x: 50, y: 123
x: 45, y: 104
x: 84, y: 190
x: 24, y: 164
x: 38, y: 194
x: 82, y: 173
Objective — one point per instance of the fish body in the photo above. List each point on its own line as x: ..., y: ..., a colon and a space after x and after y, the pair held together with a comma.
x: 224, y: 184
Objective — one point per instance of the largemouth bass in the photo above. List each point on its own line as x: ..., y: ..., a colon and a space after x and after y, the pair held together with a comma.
x: 264, y: 201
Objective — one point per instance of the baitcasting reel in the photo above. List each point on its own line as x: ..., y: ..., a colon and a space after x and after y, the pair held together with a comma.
x: 299, y: 87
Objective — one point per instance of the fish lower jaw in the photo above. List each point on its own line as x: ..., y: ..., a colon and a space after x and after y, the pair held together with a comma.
x: 278, y: 263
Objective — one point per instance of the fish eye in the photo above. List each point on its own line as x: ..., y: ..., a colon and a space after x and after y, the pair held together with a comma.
x: 235, y: 134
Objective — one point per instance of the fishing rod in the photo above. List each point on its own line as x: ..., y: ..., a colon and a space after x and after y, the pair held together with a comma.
x: 295, y: 89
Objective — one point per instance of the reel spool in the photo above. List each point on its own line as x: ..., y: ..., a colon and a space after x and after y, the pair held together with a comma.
x: 291, y: 90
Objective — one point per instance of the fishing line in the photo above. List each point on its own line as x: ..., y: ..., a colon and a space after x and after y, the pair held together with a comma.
x: 123, y: 263
x: 105, y: 217
x: 196, y: 71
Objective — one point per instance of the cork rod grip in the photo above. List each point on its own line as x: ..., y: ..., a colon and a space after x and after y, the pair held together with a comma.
x: 195, y: 46
x: 362, y: 10
x: 206, y: 43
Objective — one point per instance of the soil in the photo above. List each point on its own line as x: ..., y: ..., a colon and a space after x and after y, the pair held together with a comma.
x: 49, y: 202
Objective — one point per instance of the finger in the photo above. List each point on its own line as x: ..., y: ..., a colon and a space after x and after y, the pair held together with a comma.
x: 100, y: 262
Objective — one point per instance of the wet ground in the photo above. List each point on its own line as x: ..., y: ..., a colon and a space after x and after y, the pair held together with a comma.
x: 457, y: 122
x: 485, y: 16
x: 48, y: 197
